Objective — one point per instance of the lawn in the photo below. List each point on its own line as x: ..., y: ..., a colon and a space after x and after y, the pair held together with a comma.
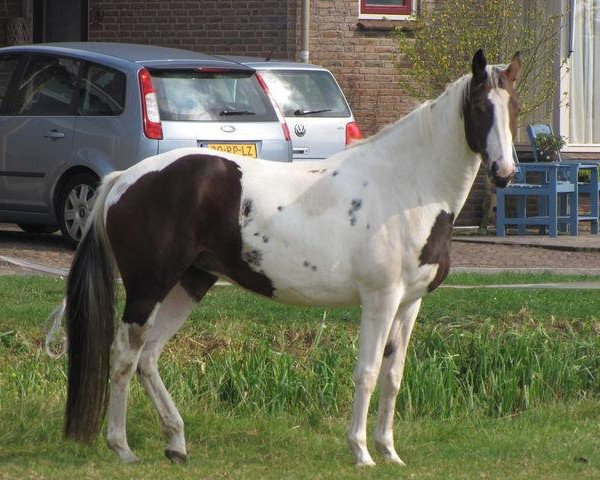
x: 499, y: 384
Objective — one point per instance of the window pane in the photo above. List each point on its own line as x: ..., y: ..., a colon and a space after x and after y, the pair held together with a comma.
x: 8, y: 65
x: 306, y: 91
x: 387, y: 3
x: 584, y: 104
x: 102, y: 92
x: 47, y: 86
x: 217, y: 97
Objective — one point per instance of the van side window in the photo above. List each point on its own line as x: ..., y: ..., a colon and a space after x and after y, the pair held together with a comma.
x: 8, y: 65
x: 47, y: 86
x: 102, y: 92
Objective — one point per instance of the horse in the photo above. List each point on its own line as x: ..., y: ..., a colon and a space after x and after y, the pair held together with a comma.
x: 370, y: 225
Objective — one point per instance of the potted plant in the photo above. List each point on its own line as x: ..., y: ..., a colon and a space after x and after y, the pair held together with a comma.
x: 548, y: 146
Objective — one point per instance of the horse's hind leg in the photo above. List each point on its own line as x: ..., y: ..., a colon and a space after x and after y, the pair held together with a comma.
x: 173, y: 311
x: 138, y: 318
x: 390, y: 378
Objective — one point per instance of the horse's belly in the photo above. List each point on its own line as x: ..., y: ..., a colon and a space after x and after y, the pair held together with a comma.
x: 317, y: 292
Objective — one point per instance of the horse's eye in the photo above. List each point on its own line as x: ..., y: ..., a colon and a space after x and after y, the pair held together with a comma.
x: 479, y: 108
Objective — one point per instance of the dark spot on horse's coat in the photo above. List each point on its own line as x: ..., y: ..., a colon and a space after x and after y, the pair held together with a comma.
x: 280, y: 208
x: 265, y: 239
x: 334, y: 173
x: 135, y: 336
x: 355, y: 205
x: 253, y: 257
x: 245, y: 212
x: 313, y: 268
x: 437, y: 248
x: 170, y: 240
x: 368, y: 226
x: 257, y: 234
x: 389, y: 349
x: 365, y: 183
x: 306, y: 263
x: 246, y: 207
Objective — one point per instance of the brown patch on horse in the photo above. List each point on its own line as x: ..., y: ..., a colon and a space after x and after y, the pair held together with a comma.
x: 156, y: 239
x: 478, y: 110
x: 437, y: 248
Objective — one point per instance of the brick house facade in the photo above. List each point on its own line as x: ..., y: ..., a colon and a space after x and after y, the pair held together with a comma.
x: 361, y: 53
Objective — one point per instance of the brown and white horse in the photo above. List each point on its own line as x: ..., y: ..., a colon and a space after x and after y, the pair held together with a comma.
x: 370, y: 225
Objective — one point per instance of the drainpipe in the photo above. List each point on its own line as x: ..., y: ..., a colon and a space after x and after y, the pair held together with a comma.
x: 571, y: 26
x: 305, y: 27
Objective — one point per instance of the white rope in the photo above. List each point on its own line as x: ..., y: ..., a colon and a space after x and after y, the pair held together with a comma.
x: 56, y: 318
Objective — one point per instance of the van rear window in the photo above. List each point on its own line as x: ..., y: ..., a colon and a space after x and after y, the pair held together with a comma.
x: 306, y: 93
x: 196, y: 96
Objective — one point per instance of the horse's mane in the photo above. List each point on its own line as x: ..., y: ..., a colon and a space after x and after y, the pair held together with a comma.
x: 456, y: 92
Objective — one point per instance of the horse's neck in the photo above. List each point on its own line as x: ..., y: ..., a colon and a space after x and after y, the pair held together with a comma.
x: 430, y: 155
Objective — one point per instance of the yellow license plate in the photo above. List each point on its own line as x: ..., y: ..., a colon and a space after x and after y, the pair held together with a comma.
x: 245, y: 149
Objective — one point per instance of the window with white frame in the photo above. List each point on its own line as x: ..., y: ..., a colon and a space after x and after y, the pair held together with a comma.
x: 390, y: 9
x: 580, y: 115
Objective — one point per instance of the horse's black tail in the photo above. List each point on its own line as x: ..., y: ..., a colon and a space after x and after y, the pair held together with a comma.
x: 90, y: 311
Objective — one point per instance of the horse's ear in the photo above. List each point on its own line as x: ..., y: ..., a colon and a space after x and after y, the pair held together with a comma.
x: 514, y: 69
x: 479, y: 63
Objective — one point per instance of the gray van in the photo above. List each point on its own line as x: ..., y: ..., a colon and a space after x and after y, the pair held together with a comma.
x: 72, y: 112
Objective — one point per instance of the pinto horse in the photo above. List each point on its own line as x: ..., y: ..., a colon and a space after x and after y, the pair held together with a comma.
x: 369, y: 225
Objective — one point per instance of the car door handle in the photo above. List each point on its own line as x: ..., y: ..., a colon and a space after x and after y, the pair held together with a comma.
x: 300, y: 151
x: 54, y: 134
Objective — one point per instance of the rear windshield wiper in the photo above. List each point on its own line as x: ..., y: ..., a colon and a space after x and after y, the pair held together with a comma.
x: 226, y: 113
x: 300, y: 113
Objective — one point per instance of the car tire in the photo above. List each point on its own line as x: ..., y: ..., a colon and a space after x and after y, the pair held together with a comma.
x: 36, y: 229
x: 74, y: 205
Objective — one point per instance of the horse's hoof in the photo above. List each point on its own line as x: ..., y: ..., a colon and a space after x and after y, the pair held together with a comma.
x: 389, y: 454
x: 176, y: 457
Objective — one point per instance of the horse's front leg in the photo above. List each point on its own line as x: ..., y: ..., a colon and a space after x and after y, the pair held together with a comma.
x: 390, y: 378
x: 378, y: 310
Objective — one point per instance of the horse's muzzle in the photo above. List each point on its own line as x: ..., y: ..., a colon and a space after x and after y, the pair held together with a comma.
x: 501, y: 182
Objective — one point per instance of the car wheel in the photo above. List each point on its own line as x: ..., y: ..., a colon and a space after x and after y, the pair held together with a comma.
x: 31, y: 228
x: 75, y: 202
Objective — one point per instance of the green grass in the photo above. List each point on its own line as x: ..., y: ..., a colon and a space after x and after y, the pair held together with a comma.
x: 498, y: 384
x: 504, y: 278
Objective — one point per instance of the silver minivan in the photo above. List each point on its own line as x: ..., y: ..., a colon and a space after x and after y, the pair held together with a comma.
x: 72, y: 112
x: 319, y: 117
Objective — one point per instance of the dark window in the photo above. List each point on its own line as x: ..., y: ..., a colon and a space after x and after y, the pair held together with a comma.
x: 306, y: 92
x: 8, y: 65
x: 46, y: 87
x: 191, y: 95
x: 102, y: 92
x: 386, y: 7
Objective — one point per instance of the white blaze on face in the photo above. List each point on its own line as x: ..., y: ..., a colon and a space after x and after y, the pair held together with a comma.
x: 499, y: 141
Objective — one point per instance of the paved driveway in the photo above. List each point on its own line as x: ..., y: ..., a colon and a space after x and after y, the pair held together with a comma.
x: 564, y: 254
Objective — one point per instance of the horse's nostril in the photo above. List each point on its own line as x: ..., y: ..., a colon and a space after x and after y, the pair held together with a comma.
x: 495, y: 167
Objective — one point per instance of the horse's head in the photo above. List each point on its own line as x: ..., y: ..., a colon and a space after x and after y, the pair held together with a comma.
x: 490, y: 110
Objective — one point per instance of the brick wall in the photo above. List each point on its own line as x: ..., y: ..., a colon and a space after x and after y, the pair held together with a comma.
x: 365, y: 62
x: 226, y: 27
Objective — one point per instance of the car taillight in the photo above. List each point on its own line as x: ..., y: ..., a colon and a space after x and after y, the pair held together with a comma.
x: 353, y: 133
x: 151, y: 114
x: 286, y: 131
x: 265, y: 88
